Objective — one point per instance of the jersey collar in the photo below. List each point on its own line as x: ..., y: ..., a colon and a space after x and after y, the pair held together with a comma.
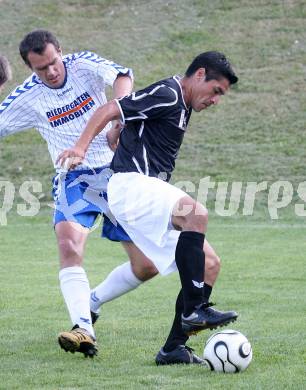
x: 177, y: 78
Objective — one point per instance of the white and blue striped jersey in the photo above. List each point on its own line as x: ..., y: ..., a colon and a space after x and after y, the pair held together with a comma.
x: 155, y: 119
x: 60, y: 114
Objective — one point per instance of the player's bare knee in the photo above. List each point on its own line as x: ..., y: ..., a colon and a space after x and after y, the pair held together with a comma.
x: 190, y: 215
x: 70, y: 252
x: 196, y: 221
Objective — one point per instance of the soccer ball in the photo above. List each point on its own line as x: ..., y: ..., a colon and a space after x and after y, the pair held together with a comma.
x: 228, y: 351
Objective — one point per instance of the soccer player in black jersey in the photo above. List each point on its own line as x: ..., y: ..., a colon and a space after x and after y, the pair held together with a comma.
x: 166, y: 224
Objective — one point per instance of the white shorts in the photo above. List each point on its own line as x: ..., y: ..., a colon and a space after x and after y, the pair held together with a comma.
x: 143, y: 206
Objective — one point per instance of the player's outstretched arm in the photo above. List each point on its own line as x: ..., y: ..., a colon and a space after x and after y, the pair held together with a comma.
x: 122, y: 86
x: 5, y: 71
x: 70, y: 158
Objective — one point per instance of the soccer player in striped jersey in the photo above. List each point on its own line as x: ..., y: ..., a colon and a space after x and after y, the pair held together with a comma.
x: 166, y: 224
x: 58, y: 99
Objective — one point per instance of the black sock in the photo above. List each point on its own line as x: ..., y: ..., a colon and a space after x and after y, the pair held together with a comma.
x: 207, y: 292
x: 190, y: 258
x: 176, y: 336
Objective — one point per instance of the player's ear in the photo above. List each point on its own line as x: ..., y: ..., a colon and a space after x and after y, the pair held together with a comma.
x: 201, y: 73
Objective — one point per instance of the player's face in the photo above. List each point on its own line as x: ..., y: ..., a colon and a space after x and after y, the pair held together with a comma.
x: 48, y: 66
x: 206, y: 93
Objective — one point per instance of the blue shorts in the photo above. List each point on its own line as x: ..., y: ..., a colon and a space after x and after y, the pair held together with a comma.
x: 80, y: 196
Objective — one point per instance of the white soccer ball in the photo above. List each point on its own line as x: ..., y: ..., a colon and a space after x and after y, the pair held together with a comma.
x: 228, y: 351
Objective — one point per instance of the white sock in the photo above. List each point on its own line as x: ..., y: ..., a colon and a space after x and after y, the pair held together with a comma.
x: 76, y: 292
x: 120, y: 281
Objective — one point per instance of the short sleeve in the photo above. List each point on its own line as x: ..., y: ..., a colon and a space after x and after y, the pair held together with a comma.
x: 149, y: 103
x: 110, y: 71
x: 105, y: 71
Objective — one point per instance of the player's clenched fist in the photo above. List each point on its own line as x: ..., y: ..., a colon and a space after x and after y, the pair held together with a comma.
x: 70, y: 158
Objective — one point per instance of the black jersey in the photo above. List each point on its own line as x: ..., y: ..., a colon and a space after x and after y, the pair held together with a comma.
x: 155, y: 120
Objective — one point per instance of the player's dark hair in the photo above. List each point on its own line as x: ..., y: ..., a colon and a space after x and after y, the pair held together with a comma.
x: 36, y: 41
x: 216, y: 66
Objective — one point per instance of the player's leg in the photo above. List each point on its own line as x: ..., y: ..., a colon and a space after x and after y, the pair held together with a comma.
x: 71, y: 239
x: 191, y: 218
x: 142, y: 267
x: 144, y: 207
x: 174, y: 351
x: 73, y: 216
x: 139, y: 269
x: 124, y: 278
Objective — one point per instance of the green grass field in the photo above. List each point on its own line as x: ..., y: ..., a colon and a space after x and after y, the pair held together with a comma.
x: 263, y: 278
x: 256, y: 134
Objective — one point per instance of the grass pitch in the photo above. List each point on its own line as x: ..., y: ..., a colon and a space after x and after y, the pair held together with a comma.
x: 262, y: 278
x: 256, y: 134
